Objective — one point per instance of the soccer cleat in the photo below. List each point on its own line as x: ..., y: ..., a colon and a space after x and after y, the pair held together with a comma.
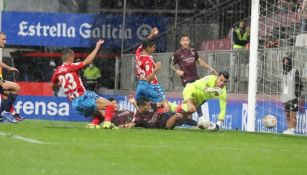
x: 93, y: 126
x: 8, y: 116
x: 289, y: 131
x: 109, y: 125
x: 18, y: 117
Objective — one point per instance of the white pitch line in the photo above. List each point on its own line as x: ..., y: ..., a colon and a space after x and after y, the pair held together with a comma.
x: 19, y: 137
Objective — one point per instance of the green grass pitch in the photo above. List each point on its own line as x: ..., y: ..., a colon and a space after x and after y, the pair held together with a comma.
x: 68, y: 148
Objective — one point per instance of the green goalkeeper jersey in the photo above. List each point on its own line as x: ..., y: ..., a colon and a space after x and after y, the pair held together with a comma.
x: 196, y: 92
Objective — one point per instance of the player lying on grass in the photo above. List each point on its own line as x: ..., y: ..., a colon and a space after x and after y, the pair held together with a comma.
x: 153, y: 115
x: 197, y: 93
x: 87, y: 103
x: 120, y: 117
x: 148, y: 85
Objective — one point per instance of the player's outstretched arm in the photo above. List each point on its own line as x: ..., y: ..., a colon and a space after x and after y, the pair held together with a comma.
x: 206, y: 66
x: 178, y: 71
x: 89, y: 59
x: 7, y: 67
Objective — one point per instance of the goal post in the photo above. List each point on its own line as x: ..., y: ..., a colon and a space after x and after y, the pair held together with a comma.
x: 253, y: 57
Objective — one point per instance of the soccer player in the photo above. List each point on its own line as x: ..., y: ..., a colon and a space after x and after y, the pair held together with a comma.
x: 152, y: 115
x: 120, y: 117
x: 148, y: 85
x: 87, y: 103
x: 9, y: 90
x: 186, y: 58
x: 197, y: 93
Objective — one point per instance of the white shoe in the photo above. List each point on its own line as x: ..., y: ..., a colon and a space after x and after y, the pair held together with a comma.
x: 289, y: 131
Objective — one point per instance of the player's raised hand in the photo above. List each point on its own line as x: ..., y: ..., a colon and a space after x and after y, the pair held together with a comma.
x: 99, y: 42
x: 157, y: 65
x: 13, y: 69
x: 153, y: 32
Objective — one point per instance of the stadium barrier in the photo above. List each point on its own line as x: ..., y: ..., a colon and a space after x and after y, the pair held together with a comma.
x: 59, y: 108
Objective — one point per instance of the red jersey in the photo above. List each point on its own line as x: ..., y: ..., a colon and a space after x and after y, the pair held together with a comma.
x: 67, y: 75
x: 144, y: 64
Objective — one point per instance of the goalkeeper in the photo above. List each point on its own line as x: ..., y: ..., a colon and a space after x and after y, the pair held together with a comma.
x: 197, y: 93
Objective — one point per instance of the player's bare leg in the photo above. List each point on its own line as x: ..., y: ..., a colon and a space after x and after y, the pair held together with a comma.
x: 104, y: 104
x: 171, y: 122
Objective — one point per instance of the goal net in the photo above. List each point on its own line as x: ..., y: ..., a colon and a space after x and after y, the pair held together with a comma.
x: 280, y: 35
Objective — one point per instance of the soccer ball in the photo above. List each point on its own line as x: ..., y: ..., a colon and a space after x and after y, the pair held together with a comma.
x: 269, y: 121
x: 203, y: 123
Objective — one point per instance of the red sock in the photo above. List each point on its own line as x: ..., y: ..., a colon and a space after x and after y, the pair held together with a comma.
x: 96, y: 120
x: 109, y: 112
x: 12, y: 110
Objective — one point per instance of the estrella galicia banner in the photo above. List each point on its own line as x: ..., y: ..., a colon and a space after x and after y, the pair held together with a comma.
x: 78, y: 30
x: 59, y: 108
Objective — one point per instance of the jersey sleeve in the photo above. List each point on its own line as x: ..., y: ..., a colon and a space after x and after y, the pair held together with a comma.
x: 76, y: 66
x: 223, y: 104
x: 175, y: 58
x: 54, y: 78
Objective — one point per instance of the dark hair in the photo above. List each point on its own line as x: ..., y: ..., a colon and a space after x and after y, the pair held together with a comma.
x: 225, y: 74
x: 148, y: 43
x: 111, y: 99
x: 142, y: 101
x: 285, y: 68
x: 184, y: 35
x: 66, y: 53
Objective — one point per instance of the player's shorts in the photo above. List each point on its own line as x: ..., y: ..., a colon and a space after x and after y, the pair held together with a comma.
x: 291, y: 105
x: 154, y: 93
x: 86, y: 104
x: 1, y: 89
x: 190, y: 92
x: 161, y: 123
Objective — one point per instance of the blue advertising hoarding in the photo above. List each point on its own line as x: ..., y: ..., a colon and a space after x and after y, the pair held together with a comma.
x: 59, y: 108
x: 77, y: 30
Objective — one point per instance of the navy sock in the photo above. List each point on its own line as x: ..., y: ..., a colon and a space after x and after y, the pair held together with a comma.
x: 3, y: 103
x: 10, y: 101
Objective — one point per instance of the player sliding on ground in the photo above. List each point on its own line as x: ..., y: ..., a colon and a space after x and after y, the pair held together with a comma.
x: 197, y: 93
x: 87, y: 103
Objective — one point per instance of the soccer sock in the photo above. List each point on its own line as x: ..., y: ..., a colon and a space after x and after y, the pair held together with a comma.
x: 12, y: 110
x: 109, y: 112
x: 96, y: 120
x: 3, y: 103
x: 10, y: 101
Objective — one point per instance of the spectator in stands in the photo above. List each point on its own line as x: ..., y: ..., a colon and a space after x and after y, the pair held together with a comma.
x: 91, y: 75
x: 240, y: 36
x: 304, y: 16
x: 292, y: 87
x: 272, y: 42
